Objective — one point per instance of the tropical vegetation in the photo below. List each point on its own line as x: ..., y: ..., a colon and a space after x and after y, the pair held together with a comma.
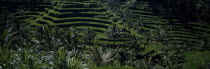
x: 104, y: 34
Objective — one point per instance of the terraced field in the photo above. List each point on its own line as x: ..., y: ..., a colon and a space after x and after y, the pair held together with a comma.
x: 91, y: 14
x: 193, y: 33
x: 148, y: 20
x: 82, y: 15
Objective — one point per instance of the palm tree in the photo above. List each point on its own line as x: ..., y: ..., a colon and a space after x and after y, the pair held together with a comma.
x: 8, y: 29
x: 6, y: 58
x: 6, y: 38
x: 100, y: 56
x: 62, y: 59
x: 89, y: 36
x: 115, y: 32
x: 49, y: 37
x: 73, y: 39
x: 134, y: 45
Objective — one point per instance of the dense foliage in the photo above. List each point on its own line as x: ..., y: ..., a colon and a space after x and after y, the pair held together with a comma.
x: 47, y: 47
x: 23, y: 46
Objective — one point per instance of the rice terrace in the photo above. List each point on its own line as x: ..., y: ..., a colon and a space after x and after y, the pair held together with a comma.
x: 104, y: 34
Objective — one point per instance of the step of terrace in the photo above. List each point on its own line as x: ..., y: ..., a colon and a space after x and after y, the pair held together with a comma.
x: 97, y: 30
x: 59, y: 20
x: 186, y: 33
x: 74, y: 2
x: 184, y: 36
x: 77, y: 19
x: 84, y: 5
x: 72, y: 9
x: 183, y: 39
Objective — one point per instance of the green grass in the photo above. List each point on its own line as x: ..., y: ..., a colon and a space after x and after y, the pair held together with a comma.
x: 71, y: 18
x: 102, y: 16
x: 57, y: 12
x: 186, y: 32
x: 181, y: 38
x: 201, y: 28
x: 93, y: 12
x: 148, y: 16
x: 185, y: 36
x: 47, y: 21
x: 59, y: 8
x: 96, y: 28
x: 66, y: 23
x: 35, y: 16
x: 142, y: 11
x: 181, y: 29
